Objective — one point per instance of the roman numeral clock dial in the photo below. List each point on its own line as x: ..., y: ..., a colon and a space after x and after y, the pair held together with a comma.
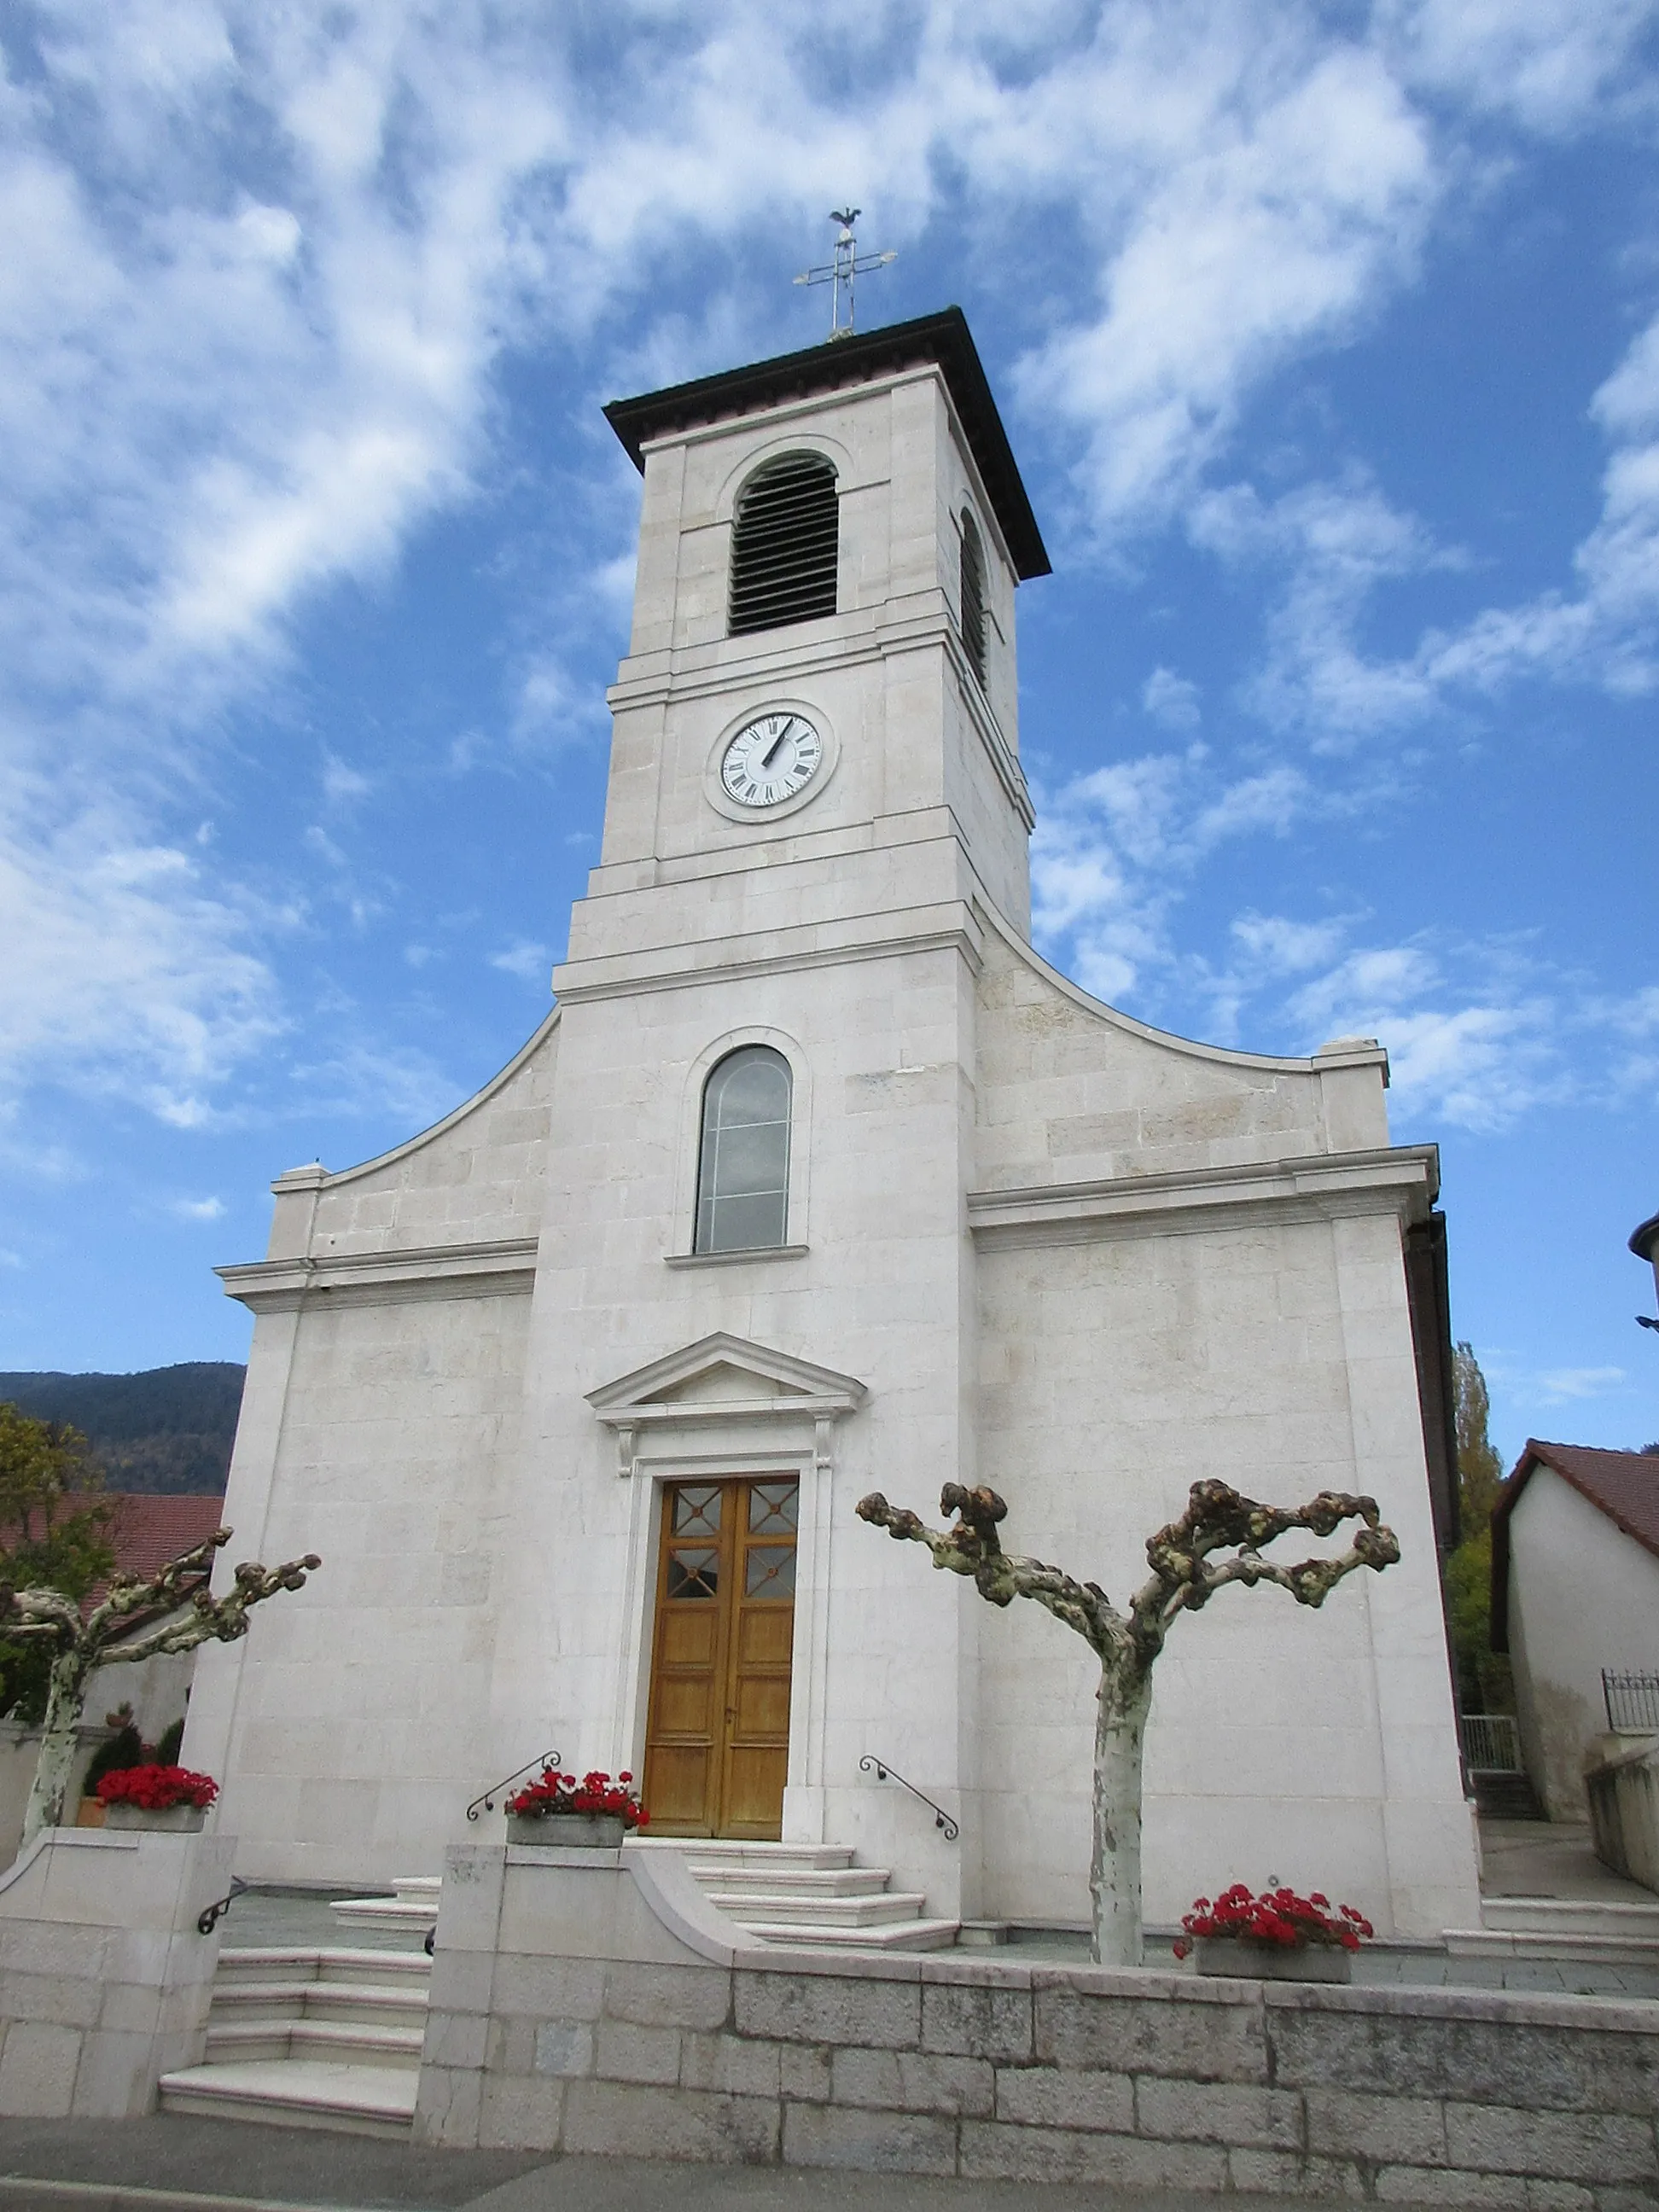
x: 770, y: 759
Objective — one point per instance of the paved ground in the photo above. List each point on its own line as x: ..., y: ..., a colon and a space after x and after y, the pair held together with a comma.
x: 1551, y: 1858
x: 174, y: 2163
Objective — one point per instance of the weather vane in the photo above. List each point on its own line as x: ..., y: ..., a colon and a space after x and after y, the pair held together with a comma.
x: 847, y: 264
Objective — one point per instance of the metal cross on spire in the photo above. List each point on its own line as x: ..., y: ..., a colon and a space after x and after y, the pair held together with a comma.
x: 840, y: 273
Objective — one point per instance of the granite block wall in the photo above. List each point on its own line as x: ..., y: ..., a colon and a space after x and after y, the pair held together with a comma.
x: 620, y: 2022
x: 105, y: 1977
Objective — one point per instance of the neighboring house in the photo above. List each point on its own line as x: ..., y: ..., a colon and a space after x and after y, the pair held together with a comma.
x: 1574, y: 1590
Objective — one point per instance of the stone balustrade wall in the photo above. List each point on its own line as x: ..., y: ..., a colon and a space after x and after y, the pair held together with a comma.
x: 105, y: 1977
x: 593, y: 2001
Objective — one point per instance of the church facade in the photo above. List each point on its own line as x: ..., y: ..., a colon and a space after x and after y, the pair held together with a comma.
x: 818, y: 1180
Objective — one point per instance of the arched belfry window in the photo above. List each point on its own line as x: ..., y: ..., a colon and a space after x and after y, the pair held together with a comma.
x: 973, y: 596
x: 743, y: 1169
x: 784, y: 544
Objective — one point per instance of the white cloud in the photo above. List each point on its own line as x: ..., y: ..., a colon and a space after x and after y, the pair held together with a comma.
x: 342, y: 783
x: 1544, y: 61
x: 198, y: 1209
x: 125, y: 973
x: 1562, y: 1385
x: 1170, y: 699
x: 528, y: 960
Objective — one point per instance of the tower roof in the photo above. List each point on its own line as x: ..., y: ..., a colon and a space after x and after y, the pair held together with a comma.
x: 942, y: 338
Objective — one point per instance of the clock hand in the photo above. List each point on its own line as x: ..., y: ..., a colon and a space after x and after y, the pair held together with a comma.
x: 777, y: 747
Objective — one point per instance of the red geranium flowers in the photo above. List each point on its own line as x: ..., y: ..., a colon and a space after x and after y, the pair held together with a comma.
x: 553, y: 1793
x: 157, y: 1789
x: 1278, y: 1919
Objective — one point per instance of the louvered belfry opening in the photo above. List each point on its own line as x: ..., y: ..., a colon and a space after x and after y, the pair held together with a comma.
x: 973, y: 597
x: 784, y: 544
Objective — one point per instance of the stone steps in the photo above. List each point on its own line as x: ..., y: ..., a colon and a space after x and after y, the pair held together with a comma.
x: 1586, y: 1931
x: 413, y: 1904
x: 807, y: 1893
x: 298, y: 2093
x: 311, y: 2037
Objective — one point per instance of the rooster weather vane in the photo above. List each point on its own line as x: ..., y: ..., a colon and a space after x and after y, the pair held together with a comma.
x: 839, y: 274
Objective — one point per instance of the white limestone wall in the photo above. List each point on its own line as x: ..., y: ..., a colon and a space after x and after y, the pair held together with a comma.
x: 1123, y: 1358
x: 1317, y: 1745
x: 351, y: 1728
x: 1582, y: 1596
x: 881, y: 1100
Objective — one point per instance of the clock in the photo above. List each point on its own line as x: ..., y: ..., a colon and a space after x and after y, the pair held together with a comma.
x: 770, y: 760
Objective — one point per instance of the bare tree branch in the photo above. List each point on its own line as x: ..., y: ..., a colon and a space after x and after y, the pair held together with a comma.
x: 172, y: 1610
x: 1184, y: 1577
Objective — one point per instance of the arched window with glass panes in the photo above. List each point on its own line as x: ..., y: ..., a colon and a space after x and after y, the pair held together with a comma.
x: 973, y: 596
x: 743, y: 1163
x: 785, y: 545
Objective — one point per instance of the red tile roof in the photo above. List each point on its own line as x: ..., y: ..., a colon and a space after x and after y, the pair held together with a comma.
x: 1623, y: 1484
x: 149, y: 1530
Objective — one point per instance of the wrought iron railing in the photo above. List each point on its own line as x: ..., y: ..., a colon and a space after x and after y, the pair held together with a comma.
x: 210, y: 1915
x: 883, y: 1772
x: 1491, y: 1744
x: 486, y: 1802
x: 1633, y: 1702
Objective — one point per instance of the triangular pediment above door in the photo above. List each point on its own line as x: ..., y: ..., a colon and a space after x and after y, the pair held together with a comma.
x: 722, y: 1379
x: 723, y: 1370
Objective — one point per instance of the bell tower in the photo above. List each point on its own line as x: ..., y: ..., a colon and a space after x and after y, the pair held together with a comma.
x: 817, y: 721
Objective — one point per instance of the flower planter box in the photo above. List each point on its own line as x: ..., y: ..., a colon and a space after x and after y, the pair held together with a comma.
x: 563, y: 1831
x: 1272, y: 1962
x: 176, y: 1820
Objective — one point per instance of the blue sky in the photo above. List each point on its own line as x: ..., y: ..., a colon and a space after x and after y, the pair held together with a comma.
x: 1329, y: 342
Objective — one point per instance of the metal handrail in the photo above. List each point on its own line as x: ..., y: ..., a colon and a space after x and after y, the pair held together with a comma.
x: 883, y: 1772
x: 486, y: 1802
x: 210, y: 1915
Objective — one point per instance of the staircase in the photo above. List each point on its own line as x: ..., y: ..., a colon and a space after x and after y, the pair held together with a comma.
x: 313, y: 2038
x: 785, y: 1892
x: 808, y: 1894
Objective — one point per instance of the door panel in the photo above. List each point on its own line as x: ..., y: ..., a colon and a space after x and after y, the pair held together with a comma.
x: 717, y: 1740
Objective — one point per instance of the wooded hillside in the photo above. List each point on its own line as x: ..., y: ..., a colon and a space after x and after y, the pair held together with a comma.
x: 169, y: 1429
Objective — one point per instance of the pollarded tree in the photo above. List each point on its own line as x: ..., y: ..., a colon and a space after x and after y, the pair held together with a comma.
x: 1185, y: 1575
x: 172, y: 1610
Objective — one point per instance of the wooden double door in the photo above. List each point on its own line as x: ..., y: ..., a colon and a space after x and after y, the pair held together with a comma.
x: 717, y: 1740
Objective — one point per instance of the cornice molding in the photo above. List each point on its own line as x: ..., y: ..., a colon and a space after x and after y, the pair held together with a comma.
x: 813, y: 945
x: 1403, y: 1180
x: 503, y: 1269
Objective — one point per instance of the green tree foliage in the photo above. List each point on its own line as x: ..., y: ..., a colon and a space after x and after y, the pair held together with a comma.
x: 54, y: 1534
x: 1483, y: 1675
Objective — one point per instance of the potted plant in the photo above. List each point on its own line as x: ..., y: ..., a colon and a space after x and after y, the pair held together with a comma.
x: 152, y: 1797
x: 557, y: 1808
x: 1277, y: 1936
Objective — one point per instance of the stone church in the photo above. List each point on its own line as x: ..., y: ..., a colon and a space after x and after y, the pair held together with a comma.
x: 819, y: 1180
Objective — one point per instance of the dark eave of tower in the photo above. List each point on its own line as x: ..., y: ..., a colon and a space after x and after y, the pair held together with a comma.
x: 943, y: 338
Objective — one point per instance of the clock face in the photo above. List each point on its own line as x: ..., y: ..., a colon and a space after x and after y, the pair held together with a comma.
x: 771, y: 759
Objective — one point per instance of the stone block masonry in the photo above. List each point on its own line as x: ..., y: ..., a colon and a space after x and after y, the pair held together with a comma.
x: 629, y: 2017
x: 104, y: 1976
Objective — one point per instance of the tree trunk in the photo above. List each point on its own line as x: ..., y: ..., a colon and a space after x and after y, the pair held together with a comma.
x: 1126, y: 1699
x: 65, y: 1698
